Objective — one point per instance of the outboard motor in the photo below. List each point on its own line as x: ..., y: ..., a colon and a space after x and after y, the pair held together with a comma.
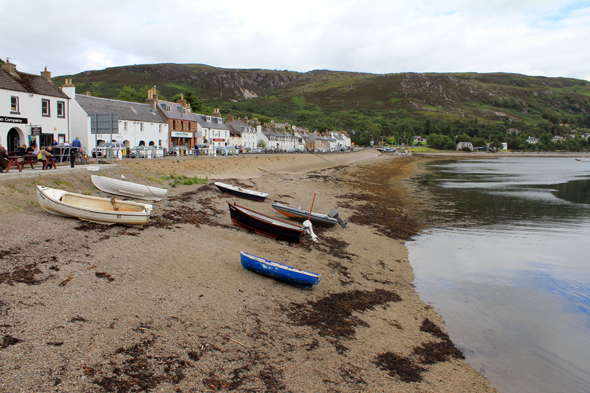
x: 334, y: 214
x: 307, y: 228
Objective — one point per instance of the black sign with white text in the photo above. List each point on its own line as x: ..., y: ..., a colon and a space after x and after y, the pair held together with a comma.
x: 15, y: 120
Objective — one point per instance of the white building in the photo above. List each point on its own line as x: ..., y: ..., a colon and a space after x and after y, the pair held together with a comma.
x: 212, y: 130
x: 241, y: 133
x: 135, y: 124
x: 32, y: 109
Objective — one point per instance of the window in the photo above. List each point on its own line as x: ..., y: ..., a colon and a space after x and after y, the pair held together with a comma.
x: 181, y: 125
x: 160, y: 129
x: 14, y: 104
x: 140, y: 126
x: 125, y: 126
x: 45, y: 108
x: 61, y: 109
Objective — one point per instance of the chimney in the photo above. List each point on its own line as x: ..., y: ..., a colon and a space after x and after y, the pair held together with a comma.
x: 182, y: 101
x: 230, y: 119
x: 88, y: 93
x: 216, y: 113
x: 152, y: 99
x: 69, y: 89
x: 9, y: 67
x: 46, y: 74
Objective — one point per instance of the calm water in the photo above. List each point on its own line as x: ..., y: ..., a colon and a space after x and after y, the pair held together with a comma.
x: 510, y: 274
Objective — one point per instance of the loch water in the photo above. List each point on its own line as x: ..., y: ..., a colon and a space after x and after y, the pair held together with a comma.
x: 509, y: 268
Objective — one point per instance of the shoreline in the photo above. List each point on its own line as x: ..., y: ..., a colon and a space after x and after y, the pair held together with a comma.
x: 103, y: 303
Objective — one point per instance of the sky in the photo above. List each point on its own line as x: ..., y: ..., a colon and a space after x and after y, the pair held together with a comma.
x: 531, y: 37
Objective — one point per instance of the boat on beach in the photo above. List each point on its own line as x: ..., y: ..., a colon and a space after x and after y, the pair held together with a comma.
x: 330, y: 219
x: 241, y: 192
x: 268, y: 226
x: 279, y: 271
x: 107, y: 211
x: 128, y: 189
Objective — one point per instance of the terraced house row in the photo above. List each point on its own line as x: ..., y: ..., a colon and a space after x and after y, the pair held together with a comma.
x: 33, y: 110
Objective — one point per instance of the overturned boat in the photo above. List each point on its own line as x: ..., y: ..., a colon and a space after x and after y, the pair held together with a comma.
x: 128, y: 189
x: 285, y: 273
x: 330, y: 219
x: 241, y: 192
x: 107, y: 211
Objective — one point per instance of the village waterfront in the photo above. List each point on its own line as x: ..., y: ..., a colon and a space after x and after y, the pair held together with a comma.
x: 91, y: 308
x: 507, y: 267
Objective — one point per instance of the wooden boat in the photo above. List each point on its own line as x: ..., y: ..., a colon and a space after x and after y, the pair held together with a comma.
x: 281, y: 272
x: 330, y: 219
x: 241, y: 193
x: 582, y: 159
x: 106, y: 211
x: 128, y: 189
x: 265, y: 225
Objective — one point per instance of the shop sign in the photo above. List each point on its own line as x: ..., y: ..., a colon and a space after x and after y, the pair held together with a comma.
x: 36, y: 130
x: 218, y: 140
x: 14, y: 120
x: 182, y: 134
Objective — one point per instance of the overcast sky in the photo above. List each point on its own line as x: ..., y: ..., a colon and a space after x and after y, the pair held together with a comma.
x: 532, y: 37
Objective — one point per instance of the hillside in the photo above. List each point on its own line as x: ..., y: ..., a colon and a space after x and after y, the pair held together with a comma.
x: 368, y: 105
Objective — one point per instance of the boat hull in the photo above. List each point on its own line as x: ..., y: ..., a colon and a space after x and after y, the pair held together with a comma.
x: 94, y: 209
x: 279, y: 271
x: 241, y: 193
x: 316, y: 218
x: 128, y: 189
x: 265, y: 225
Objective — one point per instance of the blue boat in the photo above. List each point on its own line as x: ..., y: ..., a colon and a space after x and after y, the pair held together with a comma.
x: 285, y: 273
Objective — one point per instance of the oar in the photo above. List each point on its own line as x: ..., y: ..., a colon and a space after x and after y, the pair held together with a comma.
x: 312, y: 202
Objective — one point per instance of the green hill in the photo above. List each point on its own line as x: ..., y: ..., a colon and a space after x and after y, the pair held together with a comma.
x: 480, y: 107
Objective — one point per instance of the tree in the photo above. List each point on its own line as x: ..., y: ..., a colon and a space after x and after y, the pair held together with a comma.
x: 261, y: 143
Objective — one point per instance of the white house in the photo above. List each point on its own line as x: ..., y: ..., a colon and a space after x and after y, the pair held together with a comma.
x: 241, y: 133
x: 32, y: 109
x: 461, y: 145
x: 133, y: 123
x: 532, y: 140
x: 212, y: 130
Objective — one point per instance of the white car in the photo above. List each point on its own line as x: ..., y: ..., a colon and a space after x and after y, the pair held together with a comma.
x: 105, y: 149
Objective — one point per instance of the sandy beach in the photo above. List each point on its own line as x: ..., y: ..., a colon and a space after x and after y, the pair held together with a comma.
x: 168, y: 307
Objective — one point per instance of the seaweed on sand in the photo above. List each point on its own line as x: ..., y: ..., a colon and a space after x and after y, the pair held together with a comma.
x: 333, y: 314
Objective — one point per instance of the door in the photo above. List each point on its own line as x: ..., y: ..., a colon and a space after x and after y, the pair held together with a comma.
x: 12, y: 140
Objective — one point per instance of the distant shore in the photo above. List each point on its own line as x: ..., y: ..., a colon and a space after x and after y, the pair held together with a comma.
x: 168, y: 307
x: 460, y: 154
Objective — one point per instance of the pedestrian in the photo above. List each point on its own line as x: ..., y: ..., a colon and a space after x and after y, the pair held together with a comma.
x: 197, y: 152
x: 77, y: 142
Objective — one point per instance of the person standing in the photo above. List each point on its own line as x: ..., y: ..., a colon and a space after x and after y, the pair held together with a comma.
x: 77, y: 143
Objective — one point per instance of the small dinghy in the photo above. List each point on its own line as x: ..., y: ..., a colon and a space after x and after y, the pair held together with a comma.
x: 330, y: 219
x: 128, y: 189
x: 285, y: 273
x: 107, y: 211
x: 241, y: 192
x: 268, y: 226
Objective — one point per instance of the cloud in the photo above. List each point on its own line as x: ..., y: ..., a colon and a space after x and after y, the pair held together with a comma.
x: 70, y: 36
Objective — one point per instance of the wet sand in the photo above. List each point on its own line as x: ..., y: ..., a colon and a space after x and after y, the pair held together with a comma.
x: 168, y: 307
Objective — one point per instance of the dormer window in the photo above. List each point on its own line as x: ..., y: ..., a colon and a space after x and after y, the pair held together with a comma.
x: 208, y: 119
x: 168, y: 109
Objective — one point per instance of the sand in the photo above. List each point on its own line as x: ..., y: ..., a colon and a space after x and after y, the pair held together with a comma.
x: 90, y: 308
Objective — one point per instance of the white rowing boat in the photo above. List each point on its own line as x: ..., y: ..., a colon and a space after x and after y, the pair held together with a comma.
x: 128, y: 189
x: 106, y: 211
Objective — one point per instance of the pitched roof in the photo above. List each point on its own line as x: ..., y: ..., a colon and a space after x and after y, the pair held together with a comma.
x: 176, y: 111
x: 127, y: 110
x: 28, y: 83
x: 215, y: 122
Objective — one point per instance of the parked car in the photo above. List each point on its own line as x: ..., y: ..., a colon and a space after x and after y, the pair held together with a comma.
x: 105, y: 149
x: 146, y: 152
x: 177, y: 151
x: 257, y: 150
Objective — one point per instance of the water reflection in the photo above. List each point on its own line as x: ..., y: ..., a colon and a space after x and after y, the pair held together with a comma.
x: 513, y: 286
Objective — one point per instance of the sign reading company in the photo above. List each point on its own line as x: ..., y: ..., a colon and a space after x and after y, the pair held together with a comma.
x: 14, y: 120
x: 181, y: 134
